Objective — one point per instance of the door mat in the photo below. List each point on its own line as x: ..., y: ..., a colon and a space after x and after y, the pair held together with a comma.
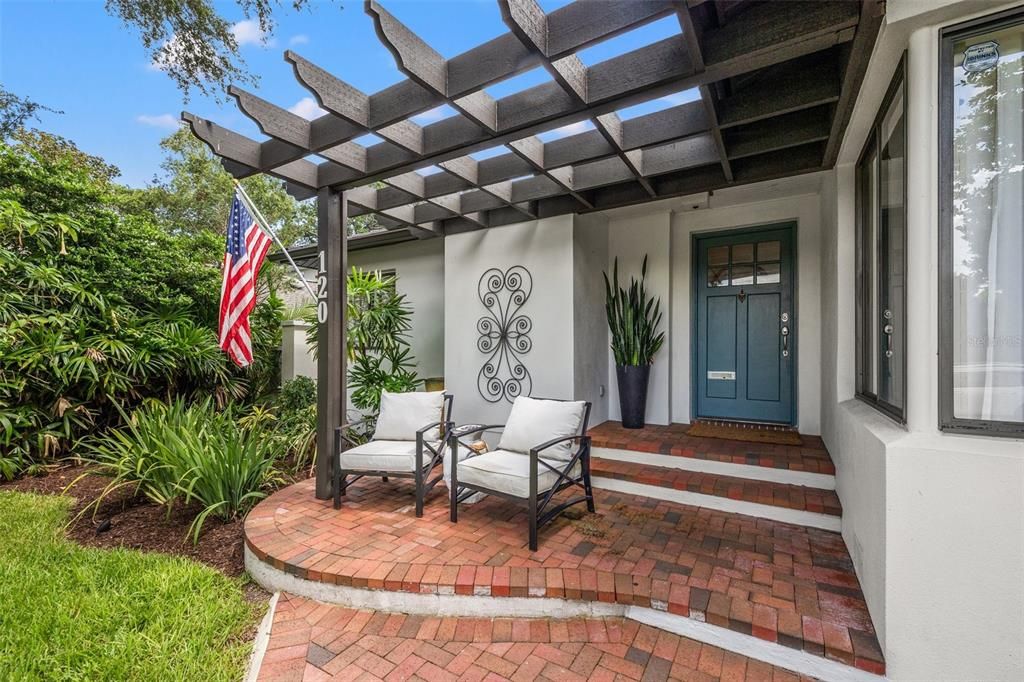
x: 751, y: 433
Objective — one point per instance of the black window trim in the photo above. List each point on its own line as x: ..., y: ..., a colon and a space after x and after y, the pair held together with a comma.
x: 948, y: 422
x: 862, y: 350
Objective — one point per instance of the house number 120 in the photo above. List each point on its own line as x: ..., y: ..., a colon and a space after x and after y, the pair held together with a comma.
x: 321, y: 290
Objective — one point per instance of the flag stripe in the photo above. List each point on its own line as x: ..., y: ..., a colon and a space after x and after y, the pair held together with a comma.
x: 247, y: 245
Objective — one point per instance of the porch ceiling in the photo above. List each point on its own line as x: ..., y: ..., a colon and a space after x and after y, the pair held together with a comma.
x: 776, y: 81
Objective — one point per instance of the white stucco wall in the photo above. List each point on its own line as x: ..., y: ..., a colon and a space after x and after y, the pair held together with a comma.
x: 590, y: 327
x: 723, y: 215
x: 545, y: 248
x: 419, y: 269
x: 630, y: 238
x: 934, y: 522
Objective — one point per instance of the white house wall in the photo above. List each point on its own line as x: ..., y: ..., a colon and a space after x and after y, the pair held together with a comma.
x: 419, y: 268
x: 630, y: 238
x: 805, y: 211
x: 934, y: 521
x: 545, y: 248
x: 591, y: 357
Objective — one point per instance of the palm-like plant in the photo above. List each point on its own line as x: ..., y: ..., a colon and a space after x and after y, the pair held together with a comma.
x: 633, y: 318
x: 378, y: 321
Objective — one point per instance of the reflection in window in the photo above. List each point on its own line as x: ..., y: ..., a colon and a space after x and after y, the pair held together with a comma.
x: 742, y: 275
x: 768, y: 273
x: 988, y: 226
x: 743, y: 253
x: 881, y: 320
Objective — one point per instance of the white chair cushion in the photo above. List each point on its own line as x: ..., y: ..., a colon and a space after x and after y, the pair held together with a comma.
x: 534, y: 422
x: 384, y: 455
x: 509, y: 472
x: 403, y: 414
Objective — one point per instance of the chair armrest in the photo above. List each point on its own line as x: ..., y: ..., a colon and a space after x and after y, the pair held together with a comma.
x: 433, y: 425
x: 486, y: 427
x: 348, y: 426
x: 555, y: 441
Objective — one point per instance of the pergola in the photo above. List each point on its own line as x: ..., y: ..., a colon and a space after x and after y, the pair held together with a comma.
x: 777, y: 81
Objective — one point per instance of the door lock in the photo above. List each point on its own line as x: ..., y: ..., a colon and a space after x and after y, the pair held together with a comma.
x: 888, y: 330
x: 741, y: 296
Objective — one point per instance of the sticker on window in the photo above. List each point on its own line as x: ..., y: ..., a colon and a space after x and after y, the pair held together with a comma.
x: 981, y: 57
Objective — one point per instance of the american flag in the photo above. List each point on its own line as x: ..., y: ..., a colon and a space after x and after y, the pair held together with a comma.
x: 247, y: 244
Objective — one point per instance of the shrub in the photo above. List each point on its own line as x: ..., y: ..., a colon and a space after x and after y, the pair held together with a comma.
x: 378, y: 324
x: 296, y: 420
x: 102, y: 308
x: 174, y: 453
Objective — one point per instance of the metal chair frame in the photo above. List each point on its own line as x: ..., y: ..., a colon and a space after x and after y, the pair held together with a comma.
x: 421, y: 474
x: 536, y: 506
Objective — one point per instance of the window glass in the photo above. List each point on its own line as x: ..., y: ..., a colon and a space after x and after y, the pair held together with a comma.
x: 881, y: 319
x: 767, y: 251
x: 891, y: 239
x: 768, y: 273
x: 742, y: 275
x: 988, y: 226
x: 743, y: 253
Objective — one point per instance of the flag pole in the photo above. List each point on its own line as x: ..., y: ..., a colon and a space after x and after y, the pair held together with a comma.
x: 265, y: 226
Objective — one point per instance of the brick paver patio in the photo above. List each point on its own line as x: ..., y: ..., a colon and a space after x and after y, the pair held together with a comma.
x: 673, y: 440
x: 779, y: 582
x: 313, y: 641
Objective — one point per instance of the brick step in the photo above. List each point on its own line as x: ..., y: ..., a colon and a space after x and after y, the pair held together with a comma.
x: 776, y: 591
x: 802, y: 505
x: 672, y: 440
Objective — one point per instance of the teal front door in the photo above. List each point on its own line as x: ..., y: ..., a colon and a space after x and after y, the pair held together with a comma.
x: 745, y: 340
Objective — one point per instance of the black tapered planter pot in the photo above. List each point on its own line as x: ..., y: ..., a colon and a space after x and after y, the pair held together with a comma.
x: 633, y: 394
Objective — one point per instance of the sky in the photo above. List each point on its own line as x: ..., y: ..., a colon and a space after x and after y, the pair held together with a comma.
x: 72, y: 56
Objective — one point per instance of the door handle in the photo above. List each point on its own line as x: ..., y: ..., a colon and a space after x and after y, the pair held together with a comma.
x: 888, y: 330
x: 785, y: 334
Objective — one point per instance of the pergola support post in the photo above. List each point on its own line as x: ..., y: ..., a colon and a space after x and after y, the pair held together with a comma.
x: 332, y: 214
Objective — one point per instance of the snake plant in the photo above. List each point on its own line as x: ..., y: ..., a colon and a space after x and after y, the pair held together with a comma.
x: 633, y: 318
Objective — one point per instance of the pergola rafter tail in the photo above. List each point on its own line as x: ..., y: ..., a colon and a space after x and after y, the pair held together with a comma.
x: 776, y: 81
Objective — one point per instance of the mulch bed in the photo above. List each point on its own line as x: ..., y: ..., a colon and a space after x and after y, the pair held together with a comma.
x: 137, y: 523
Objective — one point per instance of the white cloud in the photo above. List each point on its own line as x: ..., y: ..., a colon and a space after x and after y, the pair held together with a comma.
x: 307, y: 108
x: 248, y: 32
x: 300, y: 39
x: 165, y: 121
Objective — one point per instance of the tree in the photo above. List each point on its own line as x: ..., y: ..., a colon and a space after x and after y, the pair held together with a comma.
x: 191, y: 42
x: 194, y: 195
x: 16, y: 111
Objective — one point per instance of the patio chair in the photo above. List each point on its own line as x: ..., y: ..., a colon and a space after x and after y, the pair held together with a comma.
x: 408, y: 442
x: 543, y: 450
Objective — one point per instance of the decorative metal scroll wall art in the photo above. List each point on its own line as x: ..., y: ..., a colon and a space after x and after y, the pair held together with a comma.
x: 504, y: 334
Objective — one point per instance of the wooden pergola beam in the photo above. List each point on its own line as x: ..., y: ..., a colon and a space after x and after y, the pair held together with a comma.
x: 693, y: 34
x: 764, y: 77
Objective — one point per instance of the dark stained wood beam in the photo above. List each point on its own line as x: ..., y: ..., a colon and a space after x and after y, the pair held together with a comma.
x: 769, y: 78
x: 859, y: 52
x: 784, y: 88
x: 693, y: 34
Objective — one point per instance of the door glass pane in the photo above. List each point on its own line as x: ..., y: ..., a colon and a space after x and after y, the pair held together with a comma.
x: 718, y: 266
x: 742, y: 274
x: 718, y: 276
x: 767, y: 251
x: 872, y: 338
x: 768, y: 273
x: 743, y: 253
x: 988, y: 235
x: 718, y: 255
x: 891, y: 174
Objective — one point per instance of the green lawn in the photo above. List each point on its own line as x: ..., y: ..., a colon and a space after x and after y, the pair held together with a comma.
x: 68, y: 612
